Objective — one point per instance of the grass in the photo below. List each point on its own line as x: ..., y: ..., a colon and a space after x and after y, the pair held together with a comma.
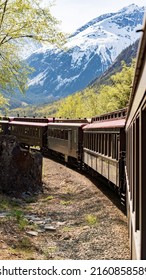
x: 20, y: 219
x: 91, y: 219
x: 50, y: 197
x: 63, y: 202
x: 67, y: 228
x: 49, y: 252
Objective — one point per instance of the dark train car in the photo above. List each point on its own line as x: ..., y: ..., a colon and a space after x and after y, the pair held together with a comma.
x: 66, y: 139
x: 104, y: 148
x: 4, y: 125
x: 136, y: 156
x: 29, y: 133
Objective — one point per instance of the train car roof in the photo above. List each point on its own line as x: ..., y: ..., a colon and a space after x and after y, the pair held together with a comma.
x: 33, y: 119
x: 117, y: 114
x: 28, y: 123
x: 117, y: 123
x: 60, y: 120
x: 66, y: 124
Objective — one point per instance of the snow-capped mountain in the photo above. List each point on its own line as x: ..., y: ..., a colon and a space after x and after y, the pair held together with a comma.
x: 88, y: 53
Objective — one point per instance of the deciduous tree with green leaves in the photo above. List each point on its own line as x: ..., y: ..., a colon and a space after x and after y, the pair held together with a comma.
x: 21, y: 19
x: 116, y: 96
x: 109, y: 98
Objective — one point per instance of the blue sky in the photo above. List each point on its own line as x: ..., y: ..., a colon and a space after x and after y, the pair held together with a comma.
x: 75, y: 13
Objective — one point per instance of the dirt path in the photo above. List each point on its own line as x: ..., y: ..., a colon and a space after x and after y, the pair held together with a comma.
x: 71, y: 219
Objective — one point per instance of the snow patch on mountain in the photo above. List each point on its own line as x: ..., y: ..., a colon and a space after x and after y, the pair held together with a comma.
x: 88, y: 53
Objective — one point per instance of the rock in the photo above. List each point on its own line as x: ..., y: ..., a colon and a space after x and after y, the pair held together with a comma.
x: 20, y: 170
x: 4, y: 214
x: 48, y: 227
x: 33, y: 233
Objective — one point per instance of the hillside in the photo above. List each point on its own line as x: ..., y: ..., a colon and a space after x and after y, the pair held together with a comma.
x: 126, y: 55
x: 89, y: 53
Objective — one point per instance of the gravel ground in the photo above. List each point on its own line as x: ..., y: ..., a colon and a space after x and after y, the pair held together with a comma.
x: 71, y: 219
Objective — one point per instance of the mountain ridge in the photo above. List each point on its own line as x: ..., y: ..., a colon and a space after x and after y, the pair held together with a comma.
x: 90, y: 51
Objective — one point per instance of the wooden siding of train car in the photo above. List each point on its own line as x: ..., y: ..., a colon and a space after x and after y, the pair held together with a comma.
x: 66, y: 138
x: 4, y: 127
x: 29, y: 134
x: 136, y: 157
x: 102, y: 147
x: 136, y: 182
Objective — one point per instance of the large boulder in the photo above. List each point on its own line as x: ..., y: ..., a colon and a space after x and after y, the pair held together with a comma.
x: 20, y: 170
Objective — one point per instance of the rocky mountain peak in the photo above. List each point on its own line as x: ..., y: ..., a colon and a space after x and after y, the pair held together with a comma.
x: 90, y: 51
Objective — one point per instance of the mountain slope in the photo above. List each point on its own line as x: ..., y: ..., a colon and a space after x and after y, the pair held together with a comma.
x: 126, y: 55
x: 90, y: 51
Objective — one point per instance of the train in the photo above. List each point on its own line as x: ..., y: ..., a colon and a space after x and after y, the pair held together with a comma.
x: 112, y: 145
x: 135, y: 129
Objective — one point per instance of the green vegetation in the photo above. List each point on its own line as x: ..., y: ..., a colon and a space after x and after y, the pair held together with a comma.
x: 48, y: 110
x: 91, y: 219
x: 117, y: 95
x: 20, y: 219
x: 50, y: 197
x: 65, y: 202
x: 80, y: 105
x: 20, y: 20
x: 91, y: 101
x: 108, y: 98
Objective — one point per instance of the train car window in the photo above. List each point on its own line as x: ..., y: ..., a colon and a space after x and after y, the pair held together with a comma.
x: 133, y: 165
x: 26, y: 130
x: 102, y: 142
x: 30, y: 131
x: 66, y: 135
x: 61, y: 134
x: 136, y: 174
x: 90, y: 141
x: 37, y: 132
x: 113, y: 146
x: 99, y: 144
x: 117, y: 146
x: 106, y: 143
x: 58, y: 133
x: 75, y: 136
x: 54, y: 133
x: 109, y: 146
x: 92, y: 137
x: 95, y: 142
x: 85, y: 140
